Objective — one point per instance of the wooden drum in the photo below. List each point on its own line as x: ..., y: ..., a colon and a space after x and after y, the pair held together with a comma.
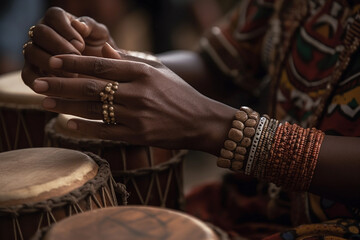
x: 152, y: 176
x: 39, y: 186
x: 130, y: 223
x: 22, y: 119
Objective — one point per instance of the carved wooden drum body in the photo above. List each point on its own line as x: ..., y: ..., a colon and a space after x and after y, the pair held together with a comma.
x: 130, y: 223
x: 22, y: 119
x: 152, y: 176
x: 39, y: 186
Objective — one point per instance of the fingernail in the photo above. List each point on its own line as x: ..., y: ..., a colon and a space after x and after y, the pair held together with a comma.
x: 80, y: 20
x: 55, y: 62
x: 77, y: 44
x: 81, y: 25
x: 72, y: 125
x: 49, y: 103
x: 40, y: 86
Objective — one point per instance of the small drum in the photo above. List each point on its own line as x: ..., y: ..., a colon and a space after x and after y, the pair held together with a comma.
x: 130, y: 223
x: 39, y: 186
x: 22, y: 119
x: 152, y: 176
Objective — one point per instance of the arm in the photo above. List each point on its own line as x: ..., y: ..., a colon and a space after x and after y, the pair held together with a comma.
x: 337, y: 173
x: 174, y: 115
x: 199, y: 73
x: 187, y: 118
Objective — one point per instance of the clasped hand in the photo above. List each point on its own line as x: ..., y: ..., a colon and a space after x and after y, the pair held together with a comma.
x: 71, y: 62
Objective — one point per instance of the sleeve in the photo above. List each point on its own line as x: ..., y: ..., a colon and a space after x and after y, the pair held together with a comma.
x: 235, y: 44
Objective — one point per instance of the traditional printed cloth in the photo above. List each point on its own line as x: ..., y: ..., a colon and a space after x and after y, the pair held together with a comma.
x: 241, y: 46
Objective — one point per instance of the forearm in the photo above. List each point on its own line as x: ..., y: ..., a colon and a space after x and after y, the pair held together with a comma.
x: 337, y: 172
x: 295, y: 158
x: 199, y: 73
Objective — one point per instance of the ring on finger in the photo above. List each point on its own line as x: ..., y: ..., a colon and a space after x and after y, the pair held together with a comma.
x: 107, y: 98
x: 31, y: 32
x: 25, y: 46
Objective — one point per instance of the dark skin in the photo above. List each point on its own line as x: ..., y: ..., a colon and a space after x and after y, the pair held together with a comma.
x: 153, y: 105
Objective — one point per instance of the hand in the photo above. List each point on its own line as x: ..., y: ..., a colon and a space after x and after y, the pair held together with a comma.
x: 61, y: 33
x: 152, y: 106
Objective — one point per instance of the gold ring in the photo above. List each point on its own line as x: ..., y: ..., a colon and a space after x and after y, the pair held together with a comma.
x: 107, y: 98
x: 25, y: 46
x: 31, y: 32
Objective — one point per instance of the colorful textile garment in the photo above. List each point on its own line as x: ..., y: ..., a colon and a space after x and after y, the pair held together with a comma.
x: 241, y: 47
x: 336, y: 229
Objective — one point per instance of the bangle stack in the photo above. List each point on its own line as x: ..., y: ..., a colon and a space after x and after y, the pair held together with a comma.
x: 107, y: 98
x: 236, y: 148
x: 283, y: 154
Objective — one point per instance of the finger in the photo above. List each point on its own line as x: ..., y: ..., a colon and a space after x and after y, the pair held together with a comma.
x: 49, y: 40
x: 29, y: 74
x: 85, y: 109
x: 104, y: 131
x: 60, y: 21
x: 73, y: 88
x: 140, y: 57
x: 112, y: 69
x: 109, y: 52
x: 95, y: 33
x: 81, y: 27
x: 39, y: 59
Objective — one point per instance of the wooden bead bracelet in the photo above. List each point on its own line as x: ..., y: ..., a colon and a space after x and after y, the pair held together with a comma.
x: 284, y: 154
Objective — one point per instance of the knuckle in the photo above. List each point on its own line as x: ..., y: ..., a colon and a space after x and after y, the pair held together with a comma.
x: 90, y: 88
x: 41, y: 33
x: 53, y: 12
x: 100, y: 66
x: 56, y: 86
x: 143, y: 69
x: 104, y: 32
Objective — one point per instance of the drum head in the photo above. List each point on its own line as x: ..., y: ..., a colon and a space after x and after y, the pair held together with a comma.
x: 14, y: 91
x: 37, y: 174
x: 131, y: 222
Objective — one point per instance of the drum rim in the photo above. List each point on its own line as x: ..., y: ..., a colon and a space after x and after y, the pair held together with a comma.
x: 221, y: 234
x: 50, y: 130
x: 174, y: 160
x: 93, y: 185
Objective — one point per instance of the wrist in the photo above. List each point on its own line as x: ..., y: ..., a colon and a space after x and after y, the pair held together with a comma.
x: 283, y: 154
x: 213, y: 127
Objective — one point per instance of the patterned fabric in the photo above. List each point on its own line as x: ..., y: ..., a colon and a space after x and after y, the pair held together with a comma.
x: 239, y: 47
x: 335, y: 230
x: 240, y: 34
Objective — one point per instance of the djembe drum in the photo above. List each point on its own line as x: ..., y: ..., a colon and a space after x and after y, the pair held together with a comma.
x: 152, y: 176
x: 22, y: 119
x: 131, y: 223
x: 39, y: 186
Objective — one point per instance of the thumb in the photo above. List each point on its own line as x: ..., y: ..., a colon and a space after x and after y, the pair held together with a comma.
x: 109, y: 52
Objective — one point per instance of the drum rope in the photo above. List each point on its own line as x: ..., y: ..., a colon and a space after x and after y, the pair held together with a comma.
x: 127, y: 176
x: 27, y: 133
x: 3, y: 125
x: 103, y: 178
x: 172, y: 165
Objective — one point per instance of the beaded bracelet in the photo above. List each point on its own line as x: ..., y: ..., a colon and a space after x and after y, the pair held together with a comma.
x: 240, y: 135
x: 284, y: 154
